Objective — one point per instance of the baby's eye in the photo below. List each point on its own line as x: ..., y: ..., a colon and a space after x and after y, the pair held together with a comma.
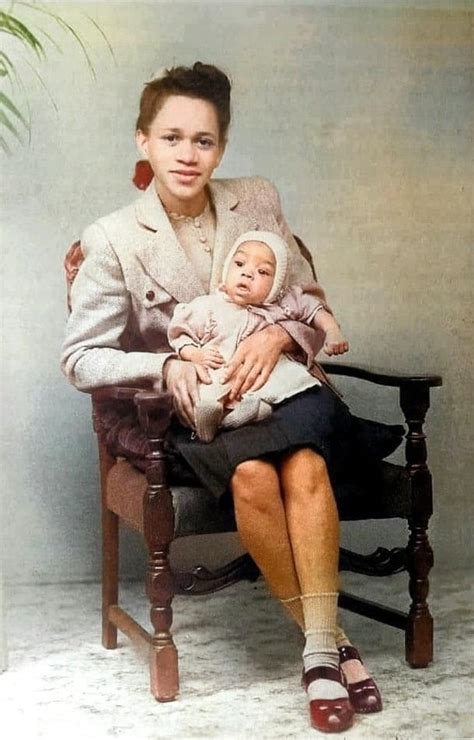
x: 239, y: 263
x: 263, y: 272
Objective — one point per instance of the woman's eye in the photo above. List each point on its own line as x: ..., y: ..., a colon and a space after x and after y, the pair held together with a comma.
x: 205, y: 143
x: 172, y: 138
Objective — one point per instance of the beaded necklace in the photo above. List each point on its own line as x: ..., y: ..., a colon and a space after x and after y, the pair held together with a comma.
x: 196, y: 222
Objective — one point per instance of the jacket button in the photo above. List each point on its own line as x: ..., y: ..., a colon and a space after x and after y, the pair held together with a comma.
x: 150, y: 295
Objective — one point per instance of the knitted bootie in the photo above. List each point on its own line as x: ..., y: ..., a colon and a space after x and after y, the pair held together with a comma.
x: 251, y: 408
x: 207, y: 418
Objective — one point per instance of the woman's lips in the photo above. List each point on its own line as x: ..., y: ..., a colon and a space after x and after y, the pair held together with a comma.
x: 185, y: 177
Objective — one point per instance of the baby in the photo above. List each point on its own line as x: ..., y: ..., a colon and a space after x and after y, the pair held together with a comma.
x: 253, y: 294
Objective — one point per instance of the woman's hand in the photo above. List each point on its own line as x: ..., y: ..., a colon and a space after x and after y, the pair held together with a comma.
x: 181, y: 379
x: 254, y: 360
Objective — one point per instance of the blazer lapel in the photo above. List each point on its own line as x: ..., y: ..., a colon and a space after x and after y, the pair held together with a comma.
x: 160, y: 252
x: 229, y: 225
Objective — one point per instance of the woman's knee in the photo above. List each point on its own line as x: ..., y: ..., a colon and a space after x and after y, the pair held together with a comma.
x: 304, y: 471
x: 254, y: 484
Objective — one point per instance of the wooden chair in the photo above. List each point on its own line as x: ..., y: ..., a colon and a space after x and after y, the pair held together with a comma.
x: 148, y: 503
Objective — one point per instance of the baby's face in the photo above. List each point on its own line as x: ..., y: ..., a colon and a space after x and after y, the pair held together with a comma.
x: 251, y: 274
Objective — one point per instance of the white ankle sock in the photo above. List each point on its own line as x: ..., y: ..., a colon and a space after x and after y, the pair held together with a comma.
x: 320, y: 649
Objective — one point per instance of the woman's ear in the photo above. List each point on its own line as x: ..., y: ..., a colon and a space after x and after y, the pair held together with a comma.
x: 141, y: 140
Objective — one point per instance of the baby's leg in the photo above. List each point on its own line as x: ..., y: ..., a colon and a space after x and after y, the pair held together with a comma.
x: 209, y: 410
x: 251, y: 408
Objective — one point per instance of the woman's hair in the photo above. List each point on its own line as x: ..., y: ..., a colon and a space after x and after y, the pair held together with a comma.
x: 204, y: 81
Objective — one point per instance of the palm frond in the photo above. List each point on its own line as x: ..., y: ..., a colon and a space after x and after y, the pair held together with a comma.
x: 5, y: 121
x: 102, y: 33
x: 68, y: 28
x: 4, y: 145
x: 43, y: 85
x: 14, y: 27
x: 7, y: 103
x: 51, y: 39
x: 71, y: 30
x: 6, y: 66
x: 10, y: 115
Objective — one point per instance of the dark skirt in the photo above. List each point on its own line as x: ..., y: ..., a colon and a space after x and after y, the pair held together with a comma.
x: 317, y: 419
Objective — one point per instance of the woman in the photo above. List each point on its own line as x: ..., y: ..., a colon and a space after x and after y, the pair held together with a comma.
x: 170, y: 247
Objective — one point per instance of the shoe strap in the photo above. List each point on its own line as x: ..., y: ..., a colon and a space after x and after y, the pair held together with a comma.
x: 322, y: 671
x: 348, y: 652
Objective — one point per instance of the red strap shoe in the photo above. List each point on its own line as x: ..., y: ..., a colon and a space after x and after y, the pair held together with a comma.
x: 364, y: 695
x: 328, y: 715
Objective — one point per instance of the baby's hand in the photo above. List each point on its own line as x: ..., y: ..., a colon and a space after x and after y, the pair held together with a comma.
x: 210, y: 357
x: 335, y: 343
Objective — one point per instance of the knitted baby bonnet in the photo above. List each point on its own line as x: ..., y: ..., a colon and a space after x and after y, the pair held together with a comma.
x: 279, y: 249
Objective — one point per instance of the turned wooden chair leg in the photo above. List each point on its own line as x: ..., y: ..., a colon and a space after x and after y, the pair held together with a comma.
x: 419, y: 555
x: 419, y: 631
x: 110, y: 553
x: 164, y: 671
x: 158, y: 520
x: 110, y: 566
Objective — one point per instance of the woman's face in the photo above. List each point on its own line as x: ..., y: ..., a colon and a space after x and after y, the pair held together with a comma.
x: 251, y: 274
x: 183, y: 148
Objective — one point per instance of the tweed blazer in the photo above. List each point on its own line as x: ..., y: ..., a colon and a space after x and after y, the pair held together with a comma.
x: 135, y: 272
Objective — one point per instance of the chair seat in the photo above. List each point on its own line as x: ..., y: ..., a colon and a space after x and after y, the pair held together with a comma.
x: 381, y: 493
x: 197, y: 511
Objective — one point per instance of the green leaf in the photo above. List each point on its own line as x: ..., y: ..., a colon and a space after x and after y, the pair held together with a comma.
x: 11, y: 25
x: 52, y: 40
x: 67, y: 27
x: 102, y: 33
x: 4, y: 145
x: 7, y: 103
x: 44, y: 86
x: 5, y: 64
x: 81, y: 44
x: 5, y: 121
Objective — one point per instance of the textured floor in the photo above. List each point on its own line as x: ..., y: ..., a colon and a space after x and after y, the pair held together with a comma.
x: 240, y: 668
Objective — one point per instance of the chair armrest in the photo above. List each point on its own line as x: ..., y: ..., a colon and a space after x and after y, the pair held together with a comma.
x: 153, y: 408
x: 381, y: 376
x: 115, y: 393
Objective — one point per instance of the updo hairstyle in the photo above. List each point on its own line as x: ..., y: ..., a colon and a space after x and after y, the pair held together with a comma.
x: 204, y: 81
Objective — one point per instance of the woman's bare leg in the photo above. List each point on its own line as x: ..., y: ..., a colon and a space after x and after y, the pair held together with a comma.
x: 261, y: 523
x: 313, y: 528
x: 312, y: 521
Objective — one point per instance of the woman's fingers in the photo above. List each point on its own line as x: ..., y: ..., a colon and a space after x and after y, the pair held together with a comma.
x: 185, y: 400
x: 251, y: 376
x: 182, y: 382
x: 203, y: 374
x: 253, y: 362
x: 239, y: 381
x: 256, y: 377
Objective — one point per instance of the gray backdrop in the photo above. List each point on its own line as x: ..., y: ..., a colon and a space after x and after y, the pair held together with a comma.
x: 360, y: 116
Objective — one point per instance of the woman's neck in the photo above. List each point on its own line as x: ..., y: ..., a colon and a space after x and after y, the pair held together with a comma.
x: 177, y: 207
